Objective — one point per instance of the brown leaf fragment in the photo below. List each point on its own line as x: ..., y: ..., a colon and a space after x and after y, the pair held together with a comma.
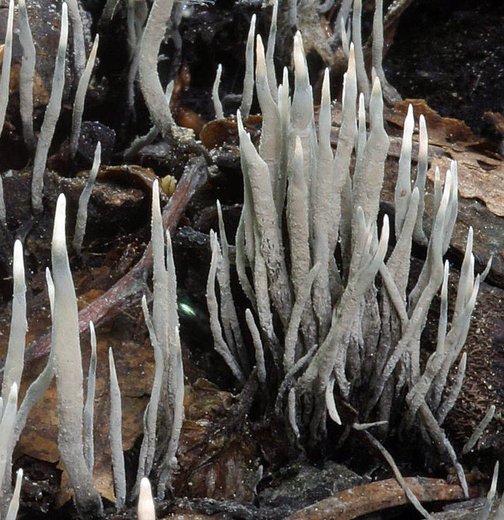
x: 441, y: 129
x: 222, y: 131
x: 377, y: 496
x: 480, y: 177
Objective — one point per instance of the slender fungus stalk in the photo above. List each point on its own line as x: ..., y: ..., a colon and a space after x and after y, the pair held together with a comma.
x: 51, y: 116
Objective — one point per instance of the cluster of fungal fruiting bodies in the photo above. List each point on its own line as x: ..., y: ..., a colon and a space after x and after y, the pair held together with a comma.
x: 309, y: 253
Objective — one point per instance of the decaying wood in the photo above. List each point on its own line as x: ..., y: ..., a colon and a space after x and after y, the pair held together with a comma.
x: 131, y: 286
x: 377, y: 496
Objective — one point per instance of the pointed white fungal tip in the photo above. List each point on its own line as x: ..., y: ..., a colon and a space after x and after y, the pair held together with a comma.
x: 469, y: 244
x: 59, y: 238
x: 377, y: 90
x: 252, y: 27
x: 454, y: 167
x: 446, y: 195
x: 239, y: 121
x: 344, y: 37
x: 326, y: 88
x: 285, y: 78
x: 385, y: 231
x: 351, y: 62
x: 92, y: 334
x: 64, y: 23
x: 18, y: 263
x: 376, y: 104
x: 409, y: 121
x: 146, y: 509
x: 156, y: 205
x: 260, y: 57
x: 331, y: 404
x: 300, y: 69
x: 362, y: 108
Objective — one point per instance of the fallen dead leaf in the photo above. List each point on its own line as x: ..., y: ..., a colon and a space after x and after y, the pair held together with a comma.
x: 441, y: 130
x: 479, y: 177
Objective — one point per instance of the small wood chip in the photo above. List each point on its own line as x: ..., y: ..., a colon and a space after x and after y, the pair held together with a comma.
x: 377, y: 496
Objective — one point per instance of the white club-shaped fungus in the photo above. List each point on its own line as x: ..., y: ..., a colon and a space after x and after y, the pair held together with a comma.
x: 69, y: 377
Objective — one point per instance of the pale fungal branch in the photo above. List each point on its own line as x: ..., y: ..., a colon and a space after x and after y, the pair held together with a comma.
x: 229, y: 316
x: 248, y: 80
x: 14, y: 503
x: 258, y: 347
x: 79, y: 47
x: 6, y: 66
x: 268, y: 225
x: 500, y: 510
x: 403, y: 183
x: 152, y: 91
x: 389, y: 92
x: 490, y: 498
x: 452, y: 396
x: 148, y: 447
x: 219, y: 114
x: 14, y: 362
x: 270, y: 52
x: 169, y: 378
x: 26, y: 76
x: 341, y: 20
x: 419, y: 234
x: 362, y: 76
x: 68, y: 367
x: 479, y: 430
x: 220, y: 344
x: 116, y: 445
x: 80, y: 97
x: 51, y: 116
x: 136, y: 15
x: 344, y: 36
x: 7, y: 424
x: 81, y: 221
x: 88, y: 418
x: 397, y: 473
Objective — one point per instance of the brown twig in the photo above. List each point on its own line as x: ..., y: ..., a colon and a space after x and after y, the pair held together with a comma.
x: 131, y: 285
x: 377, y: 496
